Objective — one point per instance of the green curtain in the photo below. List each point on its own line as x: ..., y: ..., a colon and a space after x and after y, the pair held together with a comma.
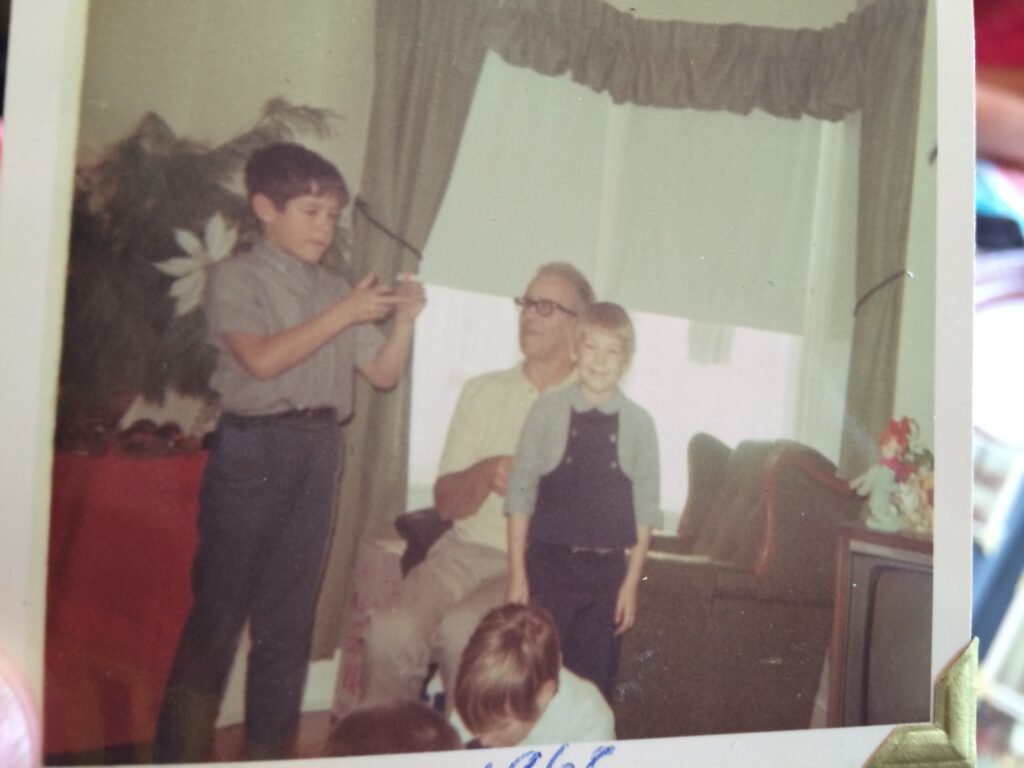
x: 427, y: 62
x: 893, y: 38
x: 683, y: 64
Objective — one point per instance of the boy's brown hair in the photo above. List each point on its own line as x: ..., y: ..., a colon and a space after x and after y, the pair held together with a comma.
x: 284, y: 170
x: 606, y: 316
x: 512, y: 653
x: 392, y: 729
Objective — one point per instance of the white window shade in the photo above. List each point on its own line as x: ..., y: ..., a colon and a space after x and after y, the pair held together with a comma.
x: 708, y: 215
x: 705, y: 215
x: 527, y: 186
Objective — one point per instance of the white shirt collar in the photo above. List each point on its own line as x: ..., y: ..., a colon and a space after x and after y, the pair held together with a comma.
x: 580, y: 404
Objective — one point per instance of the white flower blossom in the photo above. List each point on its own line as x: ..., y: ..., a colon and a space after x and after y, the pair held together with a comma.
x: 190, y: 271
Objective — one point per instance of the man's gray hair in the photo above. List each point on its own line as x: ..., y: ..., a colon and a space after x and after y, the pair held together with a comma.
x: 569, y: 273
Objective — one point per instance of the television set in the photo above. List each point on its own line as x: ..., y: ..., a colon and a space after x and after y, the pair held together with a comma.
x: 880, y: 666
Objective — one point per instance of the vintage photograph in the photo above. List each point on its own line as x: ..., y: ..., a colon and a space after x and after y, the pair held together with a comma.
x: 477, y: 374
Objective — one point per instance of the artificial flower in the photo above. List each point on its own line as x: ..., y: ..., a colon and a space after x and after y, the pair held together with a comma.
x: 900, y: 487
x: 190, y: 271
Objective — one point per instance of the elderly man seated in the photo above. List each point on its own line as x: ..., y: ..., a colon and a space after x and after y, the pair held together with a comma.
x: 442, y: 600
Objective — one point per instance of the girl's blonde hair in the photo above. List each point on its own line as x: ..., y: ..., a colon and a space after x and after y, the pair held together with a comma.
x: 606, y: 316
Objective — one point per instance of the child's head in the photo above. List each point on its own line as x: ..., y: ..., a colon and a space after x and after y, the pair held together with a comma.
x: 603, y: 342
x: 284, y: 171
x: 390, y: 729
x: 508, y: 674
x: 297, y: 196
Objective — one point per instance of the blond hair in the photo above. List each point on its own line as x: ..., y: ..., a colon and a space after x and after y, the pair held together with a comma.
x: 609, y: 317
x: 512, y: 654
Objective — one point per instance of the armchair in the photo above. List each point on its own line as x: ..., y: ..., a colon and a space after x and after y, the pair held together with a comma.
x: 735, y: 611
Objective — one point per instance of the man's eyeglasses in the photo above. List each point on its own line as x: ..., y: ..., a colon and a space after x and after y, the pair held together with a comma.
x: 543, y: 307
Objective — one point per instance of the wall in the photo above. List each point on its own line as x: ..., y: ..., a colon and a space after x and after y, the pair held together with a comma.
x: 208, y: 66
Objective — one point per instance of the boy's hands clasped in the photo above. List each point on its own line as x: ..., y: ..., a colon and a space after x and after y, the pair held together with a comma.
x: 372, y: 300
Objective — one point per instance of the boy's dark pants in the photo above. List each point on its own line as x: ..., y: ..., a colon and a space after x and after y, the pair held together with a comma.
x: 265, y: 512
x: 580, y: 589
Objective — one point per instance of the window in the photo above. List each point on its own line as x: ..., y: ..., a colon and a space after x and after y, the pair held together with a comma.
x: 704, y: 225
x: 463, y: 333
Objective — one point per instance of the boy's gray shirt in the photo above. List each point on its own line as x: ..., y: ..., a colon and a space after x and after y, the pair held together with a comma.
x: 543, y: 441
x: 266, y: 291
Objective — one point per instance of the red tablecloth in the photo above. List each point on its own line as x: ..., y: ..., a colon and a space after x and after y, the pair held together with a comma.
x: 122, y: 537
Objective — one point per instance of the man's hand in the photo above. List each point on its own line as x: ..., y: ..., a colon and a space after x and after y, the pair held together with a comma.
x: 460, y: 494
x: 625, y: 608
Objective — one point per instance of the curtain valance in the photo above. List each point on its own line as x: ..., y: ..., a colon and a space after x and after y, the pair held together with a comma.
x: 680, y: 64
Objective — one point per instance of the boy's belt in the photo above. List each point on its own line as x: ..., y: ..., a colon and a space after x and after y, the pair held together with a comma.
x: 294, y: 415
x: 593, y: 550
x: 574, y: 550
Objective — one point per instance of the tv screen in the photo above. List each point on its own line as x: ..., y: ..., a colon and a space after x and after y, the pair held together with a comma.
x: 884, y: 633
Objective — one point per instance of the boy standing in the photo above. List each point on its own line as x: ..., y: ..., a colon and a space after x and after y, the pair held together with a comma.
x: 511, y: 687
x: 584, y: 487
x: 290, y: 335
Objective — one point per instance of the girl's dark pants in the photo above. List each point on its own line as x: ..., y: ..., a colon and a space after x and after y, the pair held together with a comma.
x: 579, y: 589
